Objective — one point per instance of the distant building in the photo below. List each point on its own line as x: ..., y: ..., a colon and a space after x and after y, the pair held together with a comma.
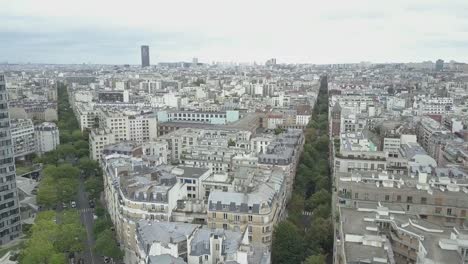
x: 35, y: 110
x: 439, y: 65
x: 270, y: 62
x: 114, y: 96
x: 145, y: 59
x: 336, y: 120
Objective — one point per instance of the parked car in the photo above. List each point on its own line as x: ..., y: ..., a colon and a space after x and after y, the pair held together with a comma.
x: 73, y: 204
x: 64, y: 206
x: 107, y: 260
x: 91, y: 203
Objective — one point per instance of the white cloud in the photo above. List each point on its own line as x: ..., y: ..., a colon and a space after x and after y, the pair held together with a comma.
x: 244, y: 30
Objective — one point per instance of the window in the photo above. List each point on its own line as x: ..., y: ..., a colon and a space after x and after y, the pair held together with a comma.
x: 356, y: 196
x: 225, y: 226
x: 387, y: 197
x: 449, y: 211
x: 225, y: 216
x: 237, y: 217
x: 409, y: 199
x: 398, y: 198
x: 250, y: 218
x: 423, y: 200
x: 213, y: 215
x: 438, y: 210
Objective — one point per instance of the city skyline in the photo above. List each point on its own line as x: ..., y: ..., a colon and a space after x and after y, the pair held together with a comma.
x: 296, y: 32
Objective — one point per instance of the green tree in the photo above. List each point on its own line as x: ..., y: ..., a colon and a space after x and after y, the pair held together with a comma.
x: 66, y: 151
x: 67, y: 189
x: 94, y: 186
x: 47, y: 193
x: 295, y: 208
x: 76, y: 135
x: 231, y: 143
x: 40, y: 251
x: 88, y: 167
x: 81, y: 144
x: 319, y: 236
x: 278, y: 131
x: 83, y: 152
x: 106, y: 245
x: 287, y: 244
x: 65, y: 136
x: 102, y: 224
x: 69, y: 171
x: 315, y: 259
x: 71, y: 234
x: 51, y: 238
x: 319, y: 198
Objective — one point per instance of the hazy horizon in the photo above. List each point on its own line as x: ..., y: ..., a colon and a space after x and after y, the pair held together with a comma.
x: 316, y: 32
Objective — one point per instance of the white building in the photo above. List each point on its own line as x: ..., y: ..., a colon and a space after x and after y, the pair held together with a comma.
x: 302, y: 120
x: 129, y: 126
x: 22, y: 136
x: 192, y: 244
x: 157, y: 152
x: 98, y: 138
x: 259, y: 144
x: 47, y: 137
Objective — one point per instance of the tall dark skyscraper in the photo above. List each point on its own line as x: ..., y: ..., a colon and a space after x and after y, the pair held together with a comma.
x: 439, y: 65
x: 145, y: 61
x: 10, y: 224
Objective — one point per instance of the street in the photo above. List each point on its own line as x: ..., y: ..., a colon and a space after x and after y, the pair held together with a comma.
x: 86, y: 215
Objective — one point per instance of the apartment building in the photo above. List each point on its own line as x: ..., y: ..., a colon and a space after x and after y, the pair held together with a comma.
x: 356, y: 152
x: 426, y: 128
x: 135, y: 191
x: 87, y: 116
x: 193, y: 244
x: 156, y: 152
x: 23, y: 137
x: 284, y: 152
x: 10, y: 224
x: 187, y: 141
x: 259, y: 143
x: 217, y: 159
x: 129, y: 126
x: 434, y: 105
x: 34, y: 109
x: 98, y: 139
x: 385, y: 233
x: 257, y: 210
x: 201, y: 117
x: 356, y: 103
x: 47, y: 137
x: 113, y: 96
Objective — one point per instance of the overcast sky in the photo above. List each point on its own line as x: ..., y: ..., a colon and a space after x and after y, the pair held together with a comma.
x: 314, y: 31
